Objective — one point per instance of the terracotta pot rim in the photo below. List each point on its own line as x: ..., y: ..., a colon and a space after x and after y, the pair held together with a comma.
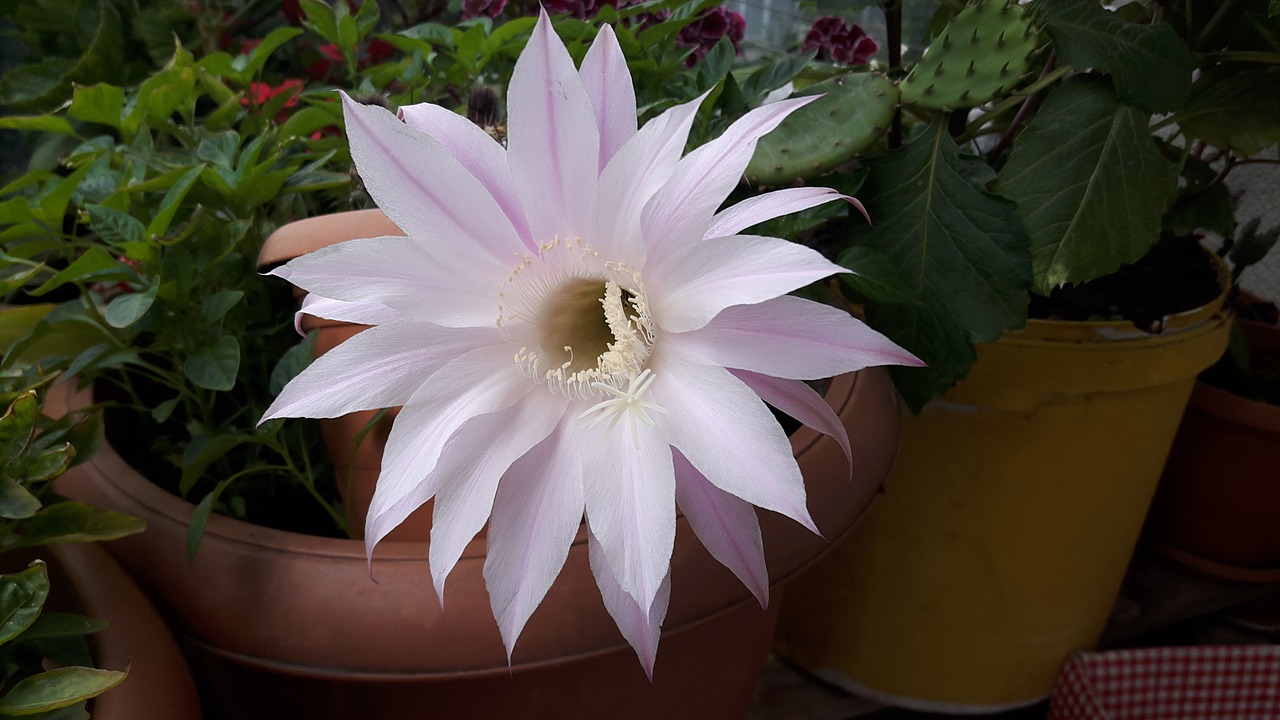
x: 177, y: 510
x: 1255, y: 414
x: 1216, y: 568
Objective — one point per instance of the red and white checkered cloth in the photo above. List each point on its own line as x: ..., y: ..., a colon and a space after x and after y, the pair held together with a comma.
x: 1204, y: 682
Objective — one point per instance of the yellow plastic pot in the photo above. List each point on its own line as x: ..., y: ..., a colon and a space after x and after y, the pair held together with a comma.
x: 1006, y: 527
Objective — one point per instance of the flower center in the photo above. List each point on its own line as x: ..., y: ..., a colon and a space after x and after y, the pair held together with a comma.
x: 589, y: 317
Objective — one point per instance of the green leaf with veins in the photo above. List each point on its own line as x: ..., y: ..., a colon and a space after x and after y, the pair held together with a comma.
x: 1149, y: 64
x: 957, y: 253
x: 1090, y: 184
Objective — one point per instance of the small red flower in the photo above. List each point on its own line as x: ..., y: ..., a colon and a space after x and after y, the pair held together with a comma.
x: 839, y: 43
x: 260, y: 93
x: 704, y: 33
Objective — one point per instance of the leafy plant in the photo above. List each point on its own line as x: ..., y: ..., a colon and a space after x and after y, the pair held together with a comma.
x: 36, y: 450
x: 1039, y: 146
x: 148, y: 204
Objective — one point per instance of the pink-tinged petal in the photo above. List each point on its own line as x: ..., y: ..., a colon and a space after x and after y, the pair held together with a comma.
x: 604, y: 72
x: 477, y: 151
x: 421, y: 187
x: 790, y: 337
x: 470, y: 466
x: 553, y: 146
x: 360, y: 313
x: 639, y: 626
x: 634, y: 174
x: 629, y: 485
x: 801, y: 402
x: 476, y: 383
x: 536, y: 514
x: 726, y: 525
x: 762, y: 208
x: 380, y: 367
x: 694, y: 284
x: 727, y: 433
x: 681, y: 209
x: 399, y: 272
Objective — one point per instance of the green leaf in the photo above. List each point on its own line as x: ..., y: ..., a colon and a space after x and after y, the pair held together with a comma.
x: 274, y: 39
x: 367, y: 17
x: 20, y: 417
x: 57, y: 624
x: 320, y: 18
x: 293, y: 361
x: 172, y: 201
x: 101, y: 103
x: 57, y: 688
x: 70, y: 712
x: 129, y: 308
x: 215, y: 367
x: 200, y: 452
x: 22, y: 596
x: 160, y: 413
x: 16, y: 502
x: 38, y: 123
x: 1150, y: 65
x: 71, y: 521
x: 46, y: 84
x: 90, y: 266
x: 115, y: 227
x: 960, y: 250
x: 49, y: 464
x: 1090, y: 184
x: 1235, y: 109
x: 217, y: 304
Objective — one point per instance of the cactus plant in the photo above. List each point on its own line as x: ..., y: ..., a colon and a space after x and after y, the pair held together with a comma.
x: 978, y: 56
x: 853, y: 113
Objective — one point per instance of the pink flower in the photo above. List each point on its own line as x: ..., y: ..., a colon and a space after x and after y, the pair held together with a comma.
x: 841, y: 44
x: 575, y: 328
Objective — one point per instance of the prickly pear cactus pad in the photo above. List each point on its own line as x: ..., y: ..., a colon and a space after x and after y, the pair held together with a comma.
x: 979, y: 56
x: 853, y: 112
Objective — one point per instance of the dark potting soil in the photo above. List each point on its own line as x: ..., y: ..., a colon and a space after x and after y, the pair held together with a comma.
x: 1176, y: 276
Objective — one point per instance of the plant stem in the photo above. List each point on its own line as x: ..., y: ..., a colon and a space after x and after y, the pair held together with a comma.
x: 893, y: 31
x: 1220, y: 24
x: 1028, y: 106
x: 1018, y: 97
x: 1249, y: 56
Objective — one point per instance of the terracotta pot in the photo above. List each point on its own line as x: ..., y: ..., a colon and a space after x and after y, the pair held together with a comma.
x: 84, y: 579
x: 300, y: 617
x: 1217, y: 509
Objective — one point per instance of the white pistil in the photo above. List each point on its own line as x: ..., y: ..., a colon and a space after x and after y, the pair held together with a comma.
x: 626, y: 403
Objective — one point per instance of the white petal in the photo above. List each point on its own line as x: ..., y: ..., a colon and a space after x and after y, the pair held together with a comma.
x: 553, y: 146
x: 360, y: 313
x: 629, y: 485
x: 726, y: 525
x: 536, y: 515
x: 470, y: 467
x: 681, y: 209
x: 801, y: 402
x: 728, y: 434
x: 377, y: 368
x: 481, y: 381
x: 694, y: 284
x: 604, y: 72
x: 401, y: 273
x: 478, y: 152
x: 634, y: 174
x: 790, y: 337
x: 762, y: 208
x: 421, y: 187
x: 640, y: 626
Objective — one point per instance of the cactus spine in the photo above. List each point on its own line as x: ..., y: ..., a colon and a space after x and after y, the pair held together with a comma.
x: 978, y: 56
x: 853, y: 112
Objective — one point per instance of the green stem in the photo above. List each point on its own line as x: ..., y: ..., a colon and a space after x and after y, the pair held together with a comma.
x: 1246, y: 56
x: 1014, y: 100
x: 1220, y: 24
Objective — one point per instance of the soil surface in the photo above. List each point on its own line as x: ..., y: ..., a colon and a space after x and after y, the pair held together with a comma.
x: 1174, y: 277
